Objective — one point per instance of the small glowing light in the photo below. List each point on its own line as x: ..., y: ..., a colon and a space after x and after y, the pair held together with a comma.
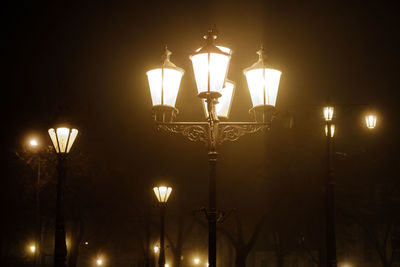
x: 32, y: 248
x: 166, y: 265
x: 33, y: 142
x: 162, y: 193
x: 207, y: 264
x: 196, y: 261
x: 99, y: 262
x: 156, y: 248
x: 86, y: 243
x: 370, y: 120
x: 328, y: 113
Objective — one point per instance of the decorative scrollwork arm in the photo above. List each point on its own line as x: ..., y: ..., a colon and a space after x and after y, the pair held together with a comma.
x: 193, y: 131
x: 233, y: 131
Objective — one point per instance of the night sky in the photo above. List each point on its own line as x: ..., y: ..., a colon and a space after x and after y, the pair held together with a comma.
x: 87, y: 62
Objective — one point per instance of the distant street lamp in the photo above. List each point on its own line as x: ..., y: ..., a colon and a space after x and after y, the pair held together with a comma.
x: 99, y: 262
x: 162, y: 193
x: 156, y: 249
x: 62, y: 138
x: 210, y: 65
x: 32, y: 248
x: 196, y: 261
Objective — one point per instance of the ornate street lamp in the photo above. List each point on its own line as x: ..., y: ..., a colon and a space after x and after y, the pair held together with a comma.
x: 63, y: 138
x: 370, y: 121
x: 162, y: 193
x: 328, y: 113
x: 210, y: 66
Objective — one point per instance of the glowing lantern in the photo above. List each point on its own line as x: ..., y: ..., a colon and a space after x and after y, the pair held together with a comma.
x: 370, y: 121
x: 210, y: 65
x: 263, y: 82
x: 162, y: 193
x: 332, y: 130
x: 223, y: 107
x: 328, y: 113
x: 63, y: 138
x: 164, y: 82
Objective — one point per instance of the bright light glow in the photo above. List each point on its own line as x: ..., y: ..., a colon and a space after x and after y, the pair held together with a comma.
x: 196, y: 260
x: 328, y: 113
x: 211, y: 66
x: 156, y: 249
x: 99, y: 262
x: 32, y: 248
x: 332, y: 130
x: 370, y: 120
x: 166, y: 265
x: 33, y: 143
x: 263, y: 85
x: 86, y: 243
x: 223, y: 106
x: 63, y: 139
x: 207, y: 264
x: 164, y: 85
x: 162, y: 193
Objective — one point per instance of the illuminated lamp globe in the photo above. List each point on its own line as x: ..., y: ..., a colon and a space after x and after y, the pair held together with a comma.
x: 164, y: 82
x: 210, y: 66
x: 63, y: 138
x: 223, y: 107
x: 370, y: 121
x: 263, y: 83
x: 162, y: 193
x: 328, y: 113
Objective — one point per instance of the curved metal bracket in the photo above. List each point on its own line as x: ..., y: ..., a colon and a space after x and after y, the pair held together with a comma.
x: 233, y: 131
x: 193, y: 131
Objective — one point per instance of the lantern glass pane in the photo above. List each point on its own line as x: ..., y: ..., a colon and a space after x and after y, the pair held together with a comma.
x: 72, y: 137
x: 53, y: 138
x: 328, y: 113
x: 162, y: 193
x: 216, y: 67
x: 332, y: 130
x: 263, y: 85
x: 164, y: 91
x: 62, y: 135
x: 370, y: 121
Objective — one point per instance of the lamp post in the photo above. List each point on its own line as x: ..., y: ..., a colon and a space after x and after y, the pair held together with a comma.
x: 328, y: 112
x: 330, y: 190
x: 34, y: 147
x: 162, y: 193
x: 62, y: 138
x: 210, y: 65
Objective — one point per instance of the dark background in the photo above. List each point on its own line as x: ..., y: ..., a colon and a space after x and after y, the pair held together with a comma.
x: 87, y: 62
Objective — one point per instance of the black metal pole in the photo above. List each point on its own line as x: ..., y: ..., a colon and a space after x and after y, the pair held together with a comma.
x: 60, y: 247
x: 330, y: 205
x: 161, y: 259
x: 38, y: 246
x: 212, y: 212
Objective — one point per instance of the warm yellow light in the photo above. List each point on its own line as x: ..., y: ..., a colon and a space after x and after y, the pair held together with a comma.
x: 63, y: 138
x: 196, y: 260
x: 86, y: 243
x: 207, y: 264
x: 223, y: 106
x: 210, y: 65
x: 99, y: 262
x: 332, y: 130
x: 166, y: 265
x: 370, y: 121
x: 162, y: 193
x: 156, y: 248
x: 33, y: 142
x: 263, y: 82
x: 32, y: 248
x: 328, y: 113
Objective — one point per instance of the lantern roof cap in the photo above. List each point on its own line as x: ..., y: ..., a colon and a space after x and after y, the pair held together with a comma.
x: 261, y: 62
x: 210, y: 46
